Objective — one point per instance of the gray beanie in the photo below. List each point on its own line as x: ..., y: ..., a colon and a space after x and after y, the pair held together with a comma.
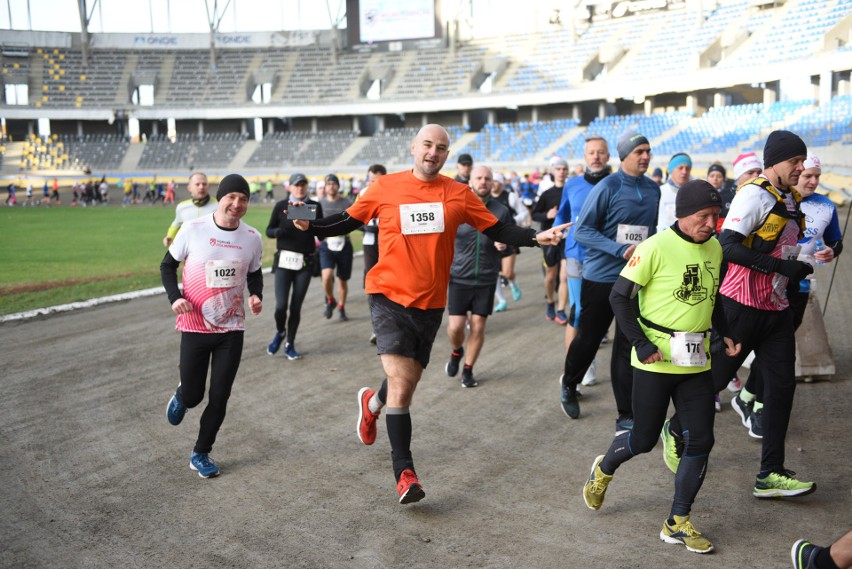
x: 628, y: 141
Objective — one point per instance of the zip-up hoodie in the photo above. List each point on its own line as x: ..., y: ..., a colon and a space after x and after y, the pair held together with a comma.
x: 617, y: 199
x: 476, y: 260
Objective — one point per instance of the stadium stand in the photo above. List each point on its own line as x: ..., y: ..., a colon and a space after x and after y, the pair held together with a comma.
x: 390, y: 146
x: 554, y: 60
x: 615, y: 62
x: 216, y: 150
x: 95, y: 151
x: 278, y: 149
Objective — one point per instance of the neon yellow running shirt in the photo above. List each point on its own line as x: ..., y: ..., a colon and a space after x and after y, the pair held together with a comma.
x: 679, y: 282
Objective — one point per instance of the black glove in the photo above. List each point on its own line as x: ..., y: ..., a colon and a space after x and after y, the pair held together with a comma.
x: 795, y: 270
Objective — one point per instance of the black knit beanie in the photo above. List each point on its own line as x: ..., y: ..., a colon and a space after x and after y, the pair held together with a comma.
x: 695, y: 195
x: 782, y: 145
x: 232, y: 183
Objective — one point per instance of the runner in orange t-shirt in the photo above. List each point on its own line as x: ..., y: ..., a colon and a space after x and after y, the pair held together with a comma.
x: 419, y: 212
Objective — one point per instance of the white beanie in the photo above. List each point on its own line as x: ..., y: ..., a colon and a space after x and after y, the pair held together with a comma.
x: 556, y: 161
x: 744, y: 163
x: 813, y: 162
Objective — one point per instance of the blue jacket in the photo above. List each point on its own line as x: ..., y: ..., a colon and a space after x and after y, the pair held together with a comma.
x: 576, y: 191
x: 618, y: 198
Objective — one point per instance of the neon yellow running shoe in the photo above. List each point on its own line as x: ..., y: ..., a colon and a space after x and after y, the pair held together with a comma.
x: 684, y: 532
x: 778, y: 484
x: 595, y: 488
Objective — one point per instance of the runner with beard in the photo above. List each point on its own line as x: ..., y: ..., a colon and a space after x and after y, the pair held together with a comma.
x: 596, y: 156
x: 620, y: 213
x: 199, y: 205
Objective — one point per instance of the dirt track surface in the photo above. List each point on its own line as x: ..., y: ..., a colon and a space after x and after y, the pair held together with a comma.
x: 92, y: 475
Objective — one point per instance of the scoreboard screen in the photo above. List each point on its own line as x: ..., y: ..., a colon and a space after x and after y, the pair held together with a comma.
x: 372, y: 21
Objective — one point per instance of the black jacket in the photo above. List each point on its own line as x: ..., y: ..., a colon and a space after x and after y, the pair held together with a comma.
x: 477, y: 260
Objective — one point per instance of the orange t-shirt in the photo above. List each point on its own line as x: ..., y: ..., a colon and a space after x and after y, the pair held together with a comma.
x: 414, y: 268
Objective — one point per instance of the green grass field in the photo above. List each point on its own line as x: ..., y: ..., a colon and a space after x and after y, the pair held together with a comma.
x: 62, y: 254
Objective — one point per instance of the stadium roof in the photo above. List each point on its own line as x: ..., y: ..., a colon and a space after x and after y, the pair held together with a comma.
x: 173, y: 16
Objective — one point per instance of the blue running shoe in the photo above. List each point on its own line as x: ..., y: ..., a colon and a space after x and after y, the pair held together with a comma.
x: 516, y: 292
x: 273, y: 346
x: 330, y: 303
x: 205, y: 466
x: 501, y: 306
x: 623, y: 423
x: 570, y: 404
x: 175, y: 410
x: 291, y: 352
x: 550, y: 311
x: 803, y: 554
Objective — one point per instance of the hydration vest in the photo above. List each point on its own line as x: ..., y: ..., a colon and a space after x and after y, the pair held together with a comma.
x: 764, y: 239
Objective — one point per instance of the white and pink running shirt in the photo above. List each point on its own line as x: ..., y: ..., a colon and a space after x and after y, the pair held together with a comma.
x: 215, y: 264
x: 749, y: 209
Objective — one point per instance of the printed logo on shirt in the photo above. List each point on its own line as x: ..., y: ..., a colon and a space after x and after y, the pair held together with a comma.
x: 225, y: 244
x: 694, y: 289
x: 634, y: 260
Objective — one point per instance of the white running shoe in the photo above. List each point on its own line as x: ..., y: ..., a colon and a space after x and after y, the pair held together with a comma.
x: 735, y: 385
x: 591, y: 376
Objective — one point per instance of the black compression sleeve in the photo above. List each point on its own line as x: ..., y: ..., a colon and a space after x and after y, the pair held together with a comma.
x: 337, y: 224
x: 720, y: 322
x: 255, y: 283
x: 621, y: 299
x: 511, y: 234
x: 734, y: 251
x: 836, y: 246
x: 168, y: 274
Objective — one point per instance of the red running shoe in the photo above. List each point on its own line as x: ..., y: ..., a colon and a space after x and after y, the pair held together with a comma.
x: 409, y: 488
x: 366, y: 418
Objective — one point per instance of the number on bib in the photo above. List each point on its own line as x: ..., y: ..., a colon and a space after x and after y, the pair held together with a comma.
x: 631, y: 234
x: 421, y: 218
x: 223, y: 273
x: 688, y: 349
x: 291, y: 260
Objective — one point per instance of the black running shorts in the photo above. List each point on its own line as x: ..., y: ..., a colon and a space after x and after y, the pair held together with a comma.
x: 476, y: 299
x: 408, y: 332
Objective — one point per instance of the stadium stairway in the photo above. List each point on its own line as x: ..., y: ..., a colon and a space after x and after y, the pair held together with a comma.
x: 461, y: 142
x: 126, y: 75
x: 551, y: 149
x: 131, y: 159
x: 350, y: 151
x: 12, y: 158
x: 238, y: 163
x: 164, y: 79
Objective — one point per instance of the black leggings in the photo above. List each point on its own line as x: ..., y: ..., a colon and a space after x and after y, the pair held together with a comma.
x: 771, y: 336
x: 196, y: 353
x: 284, y: 280
x: 692, y: 395
x: 595, y: 317
x: 798, y: 304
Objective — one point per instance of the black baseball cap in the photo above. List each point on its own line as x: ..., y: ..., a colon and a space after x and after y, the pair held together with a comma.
x: 465, y: 159
x: 298, y: 179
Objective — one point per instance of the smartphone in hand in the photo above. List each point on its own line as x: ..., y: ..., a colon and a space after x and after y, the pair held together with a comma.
x: 306, y: 211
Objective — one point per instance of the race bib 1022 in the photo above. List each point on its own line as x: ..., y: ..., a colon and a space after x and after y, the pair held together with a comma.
x: 223, y: 273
